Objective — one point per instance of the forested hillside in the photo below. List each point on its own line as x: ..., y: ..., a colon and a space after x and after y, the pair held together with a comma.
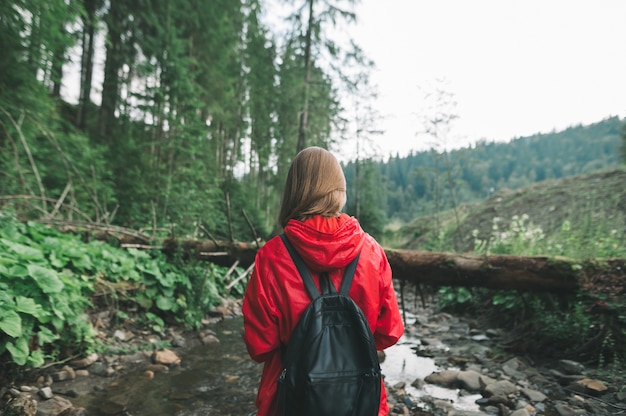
x: 427, y: 182
x: 186, y: 116
x: 188, y: 113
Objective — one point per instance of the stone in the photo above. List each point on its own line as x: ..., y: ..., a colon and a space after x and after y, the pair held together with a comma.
x: 60, y: 376
x: 53, y: 407
x: 98, y: 369
x: 45, y: 393
x: 593, y: 387
x: 500, y: 388
x: 520, y: 412
x: 418, y: 383
x: 158, y: 368
x: 120, y: 335
x: 399, y: 385
x: 518, y: 375
x: 480, y: 338
x: 534, y: 395
x: 469, y: 380
x: 565, y: 378
x: 571, y: 367
x: 209, y: 339
x: 71, y: 374
x: 485, y: 381
x: 167, y: 357
x: 443, y: 378
x: 565, y: 410
x: 84, y: 362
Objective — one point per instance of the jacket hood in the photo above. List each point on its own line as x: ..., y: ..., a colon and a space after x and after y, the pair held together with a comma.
x: 326, y: 243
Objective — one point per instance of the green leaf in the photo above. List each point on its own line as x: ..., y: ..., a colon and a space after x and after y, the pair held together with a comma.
x: 143, y: 300
x: 167, y: 280
x: 18, y: 271
x: 26, y: 252
x: 47, y: 279
x: 164, y: 303
x: 36, y: 359
x: 56, y: 261
x: 19, y: 351
x: 11, y: 324
x: 27, y: 305
x: 46, y: 336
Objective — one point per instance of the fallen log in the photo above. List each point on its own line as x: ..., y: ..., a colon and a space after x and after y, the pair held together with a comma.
x: 532, y: 274
x: 222, y: 253
x: 535, y: 274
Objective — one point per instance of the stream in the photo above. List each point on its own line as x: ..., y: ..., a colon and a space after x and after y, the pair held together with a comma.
x: 221, y: 379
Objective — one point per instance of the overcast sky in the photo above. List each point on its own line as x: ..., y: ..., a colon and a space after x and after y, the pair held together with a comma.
x: 515, y: 68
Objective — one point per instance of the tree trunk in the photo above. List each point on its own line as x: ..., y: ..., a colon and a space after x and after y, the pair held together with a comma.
x: 505, y: 272
x: 112, y: 65
x: 302, y: 129
x: 86, y: 66
x: 537, y: 274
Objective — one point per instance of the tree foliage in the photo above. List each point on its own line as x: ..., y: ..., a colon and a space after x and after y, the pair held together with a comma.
x: 486, y: 168
x: 194, y: 102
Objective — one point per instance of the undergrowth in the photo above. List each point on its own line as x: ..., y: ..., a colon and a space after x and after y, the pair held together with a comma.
x: 588, y: 326
x: 49, y: 281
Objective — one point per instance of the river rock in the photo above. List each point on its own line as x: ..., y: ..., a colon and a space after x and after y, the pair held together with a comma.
x: 99, y: 369
x: 209, y: 339
x: 534, y: 395
x: 74, y: 411
x: 571, y: 367
x: 566, y: 410
x: 71, y: 374
x: 167, y: 357
x: 45, y: 393
x: 469, y: 380
x: 53, y: 407
x: 84, y: 362
x: 446, y: 378
x: 520, y: 412
x: 589, y: 386
x: 60, y: 375
x: 500, y: 388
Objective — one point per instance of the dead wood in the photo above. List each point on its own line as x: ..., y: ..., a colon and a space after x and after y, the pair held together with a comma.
x: 534, y: 274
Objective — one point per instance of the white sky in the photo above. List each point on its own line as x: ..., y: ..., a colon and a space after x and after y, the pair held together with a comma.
x: 515, y: 67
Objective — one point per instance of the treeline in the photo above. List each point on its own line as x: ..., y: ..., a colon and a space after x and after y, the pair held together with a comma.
x: 424, y: 183
x: 188, y: 112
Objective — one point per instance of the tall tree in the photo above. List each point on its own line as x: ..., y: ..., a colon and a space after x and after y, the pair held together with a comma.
x: 89, y: 23
x: 310, y: 21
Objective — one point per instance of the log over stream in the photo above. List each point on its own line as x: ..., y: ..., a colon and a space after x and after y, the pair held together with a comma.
x: 508, y: 272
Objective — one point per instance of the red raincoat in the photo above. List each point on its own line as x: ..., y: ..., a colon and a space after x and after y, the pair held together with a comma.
x: 276, y: 297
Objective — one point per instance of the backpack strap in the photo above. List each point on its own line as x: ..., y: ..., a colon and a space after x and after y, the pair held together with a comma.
x: 326, y: 284
x: 346, y: 282
x: 304, y: 272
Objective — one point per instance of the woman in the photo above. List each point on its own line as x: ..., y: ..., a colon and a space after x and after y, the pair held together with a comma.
x: 327, y: 240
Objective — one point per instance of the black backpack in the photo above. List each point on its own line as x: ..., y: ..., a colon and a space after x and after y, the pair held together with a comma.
x: 330, y: 366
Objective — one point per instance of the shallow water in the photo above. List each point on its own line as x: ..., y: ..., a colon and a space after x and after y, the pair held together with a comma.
x: 220, y: 379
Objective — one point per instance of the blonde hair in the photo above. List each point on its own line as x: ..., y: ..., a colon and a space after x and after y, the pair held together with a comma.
x: 315, y: 185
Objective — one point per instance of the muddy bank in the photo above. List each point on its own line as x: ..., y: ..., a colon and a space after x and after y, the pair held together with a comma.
x: 444, y: 365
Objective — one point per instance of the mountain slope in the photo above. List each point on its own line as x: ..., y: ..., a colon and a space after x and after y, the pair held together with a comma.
x: 594, y: 204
